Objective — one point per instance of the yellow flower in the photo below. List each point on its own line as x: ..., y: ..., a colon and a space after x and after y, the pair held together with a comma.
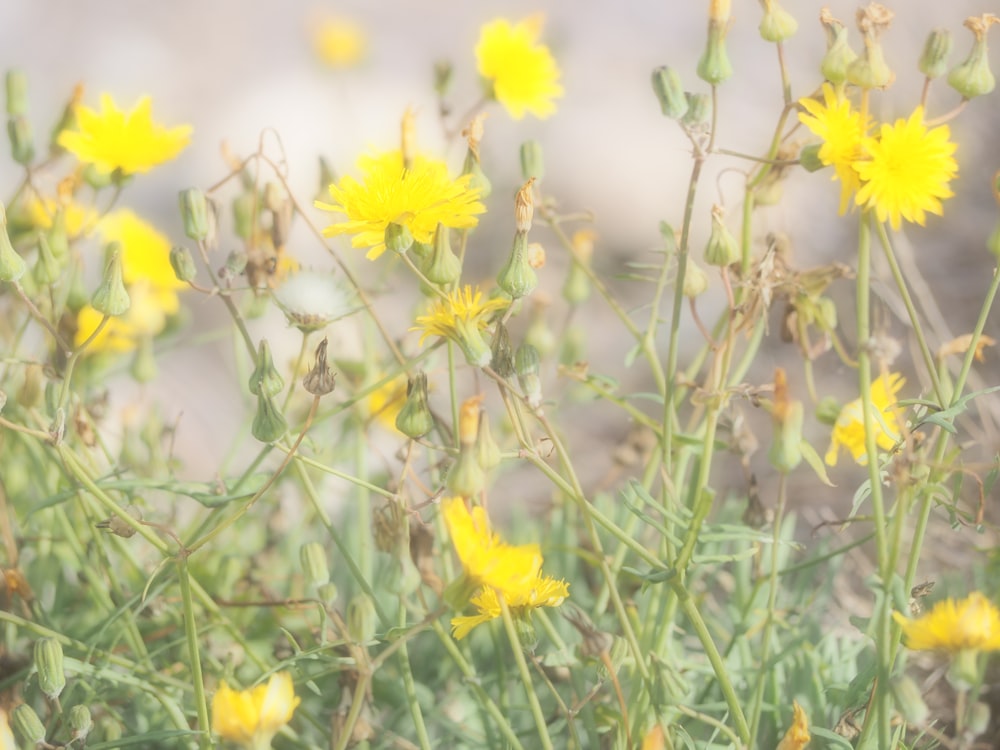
x: 418, y: 198
x: 524, y: 75
x: 908, y: 170
x: 842, y: 132
x: 972, y: 624
x: 338, y: 42
x: 252, y: 717
x: 541, y: 592
x: 145, y: 251
x: 384, y: 403
x: 849, y: 430
x: 461, y: 317
x: 128, y: 141
x: 797, y: 736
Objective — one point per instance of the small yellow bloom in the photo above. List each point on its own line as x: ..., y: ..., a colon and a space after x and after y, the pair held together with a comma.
x: 540, y: 592
x: 252, y: 717
x: 461, y: 317
x: 849, y: 430
x: 338, y: 42
x: 797, y: 736
x: 524, y: 74
x: 842, y: 131
x: 131, y: 142
x: 971, y: 624
x: 907, y: 170
x: 418, y: 198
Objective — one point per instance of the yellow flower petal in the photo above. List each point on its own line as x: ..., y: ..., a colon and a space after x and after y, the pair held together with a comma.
x: 972, y: 624
x: 849, y: 430
x: 255, y: 715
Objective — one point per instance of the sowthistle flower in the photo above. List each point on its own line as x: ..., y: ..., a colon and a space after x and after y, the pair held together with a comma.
x: 523, y: 74
x: 461, y: 317
x: 130, y: 142
x: 842, y: 131
x: 970, y: 624
x: 252, y: 717
x: 849, y: 429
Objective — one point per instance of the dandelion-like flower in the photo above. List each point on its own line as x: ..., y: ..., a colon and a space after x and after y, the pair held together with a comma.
x: 419, y: 197
x: 842, y: 131
x: 130, y: 142
x: 907, y: 170
x: 252, y: 717
x: 541, y: 592
x: 523, y: 73
x: 849, y: 429
x: 970, y: 624
x: 461, y: 317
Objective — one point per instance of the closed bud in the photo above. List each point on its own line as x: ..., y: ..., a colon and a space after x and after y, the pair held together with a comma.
x: 669, y: 92
x: 695, y: 280
x: 828, y: 410
x: 527, y: 364
x: 809, y: 158
x: 22, y: 140
x: 468, y: 420
x: 268, y: 424
x: 48, y: 661
x: 474, y: 168
x: 487, y: 450
x: 786, y: 443
x: 839, y: 54
x: 722, y: 249
x: 909, y: 701
x: 415, y: 418
x: 714, y: 66
x: 47, y: 266
x: 27, y: 726
x: 698, y: 112
x: 778, y: 24
x: 870, y: 70
x: 466, y: 477
x: 144, y: 368
x: 963, y: 673
x: 235, y: 265
x: 244, y: 206
x: 95, y: 178
x: 17, y: 93
x: 12, y: 265
x: 532, y: 161
x: 265, y: 377
x: 361, y: 619
x: 182, y: 262
x: 327, y: 593
x: 442, y: 266
x: 527, y: 637
x: 314, y: 564
x: 80, y: 722
x: 320, y: 380
x: 398, y: 237
x: 502, y: 352
x: 195, y: 212
x: 111, y: 297
x: 973, y: 77
x: 934, y: 59
x: 517, y: 277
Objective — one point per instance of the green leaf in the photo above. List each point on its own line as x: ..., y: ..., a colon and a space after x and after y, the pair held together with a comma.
x: 815, y: 463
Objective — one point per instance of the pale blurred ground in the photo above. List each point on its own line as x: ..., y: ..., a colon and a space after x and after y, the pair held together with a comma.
x: 234, y: 68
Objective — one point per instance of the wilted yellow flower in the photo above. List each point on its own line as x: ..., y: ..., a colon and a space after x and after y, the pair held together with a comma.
x: 418, y: 198
x: 461, y: 317
x: 907, y: 170
x: 797, y: 736
x: 338, y: 42
x: 849, y: 429
x: 971, y: 624
x: 540, y: 592
x: 842, y: 131
x: 524, y: 74
x: 252, y: 717
x: 127, y: 141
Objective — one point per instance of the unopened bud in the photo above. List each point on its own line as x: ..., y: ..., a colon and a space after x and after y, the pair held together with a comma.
x: 870, y: 70
x: 314, y: 564
x: 809, y: 158
x: 828, y: 410
x: 532, y: 161
x: 398, y: 237
x: 577, y: 287
x: 111, y: 297
x: 80, y: 722
x: 786, y: 443
x: 502, y: 352
x: 466, y: 477
x: 47, y: 266
x: 714, y: 66
x: 195, y: 212
x: 442, y: 266
x: 695, y: 280
x: 17, y: 93
x: 669, y: 92
x: 415, y: 418
x: 22, y: 140
x: 973, y: 77
x: 487, y: 450
x: 474, y: 168
x: 468, y: 420
x: 327, y: 593
x: 244, y: 206
x: 48, y: 662
x: 933, y: 61
x: 992, y: 244
x: 963, y: 673
x: 540, y: 334
x: 527, y: 637
x: 722, y: 249
x: 27, y: 726
x: 778, y: 24
x: 698, y: 112
x: 265, y: 377
x: 58, y: 236
x: 517, y: 277
x: 182, y: 262
x: 527, y: 365
x: 361, y: 619
x: 839, y: 54
x: 12, y: 265
x: 268, y: 424
x: 320, y: 380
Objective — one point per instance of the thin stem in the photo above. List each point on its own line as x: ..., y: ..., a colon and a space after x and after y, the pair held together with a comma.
x: 409, y: 686
x: 522, y: 668
x: 194, y: 654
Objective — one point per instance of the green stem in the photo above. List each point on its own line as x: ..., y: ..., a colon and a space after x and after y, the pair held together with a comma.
x: 194, y: 654
x: 410, y: 687
x: 522, y: 668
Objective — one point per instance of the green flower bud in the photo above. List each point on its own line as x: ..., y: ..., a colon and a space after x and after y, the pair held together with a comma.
x: 809, y: 158
x: 415, y: 418
x: 195, y: 212
x: 908, y: 699
x: 443, y: 266
x: 12, y: 265
x: 695, y: 280
x: 698, y: 112
x: 487, y: 450
x: 973, y: 77
x: 527, y: 365
x: 269, y: 424
x: 714, y: 66
x: 17, y: 93
x: 839, y: 54
x: 327, y: 593
x: 479, y: 181
x: 111, y: 297
x: 80, y: 722
x: 786, y: 443
x: 502, y: 361
x: 48, y: 662
x: 532, y: 161
x: 398, y: 237
x: 22, y: 140
x: 828, y: 410
x: 669, y: 92
x: 870, y: 71
x: 964, y: 672
x: 182, y: 262
x: 314, y: 564
x: 778, y: 24
x: 235, y: 265
x: 27, y: 726
x: 96, y: 179
x: 722, y: 249
x: 58, y: 236
x: 527, y: 638
x: 517, y: 277
x: 466, y: 476
x: 244, y: 206
x: 934, y: 59
x: 47, y: 267
x: 361, y: 620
